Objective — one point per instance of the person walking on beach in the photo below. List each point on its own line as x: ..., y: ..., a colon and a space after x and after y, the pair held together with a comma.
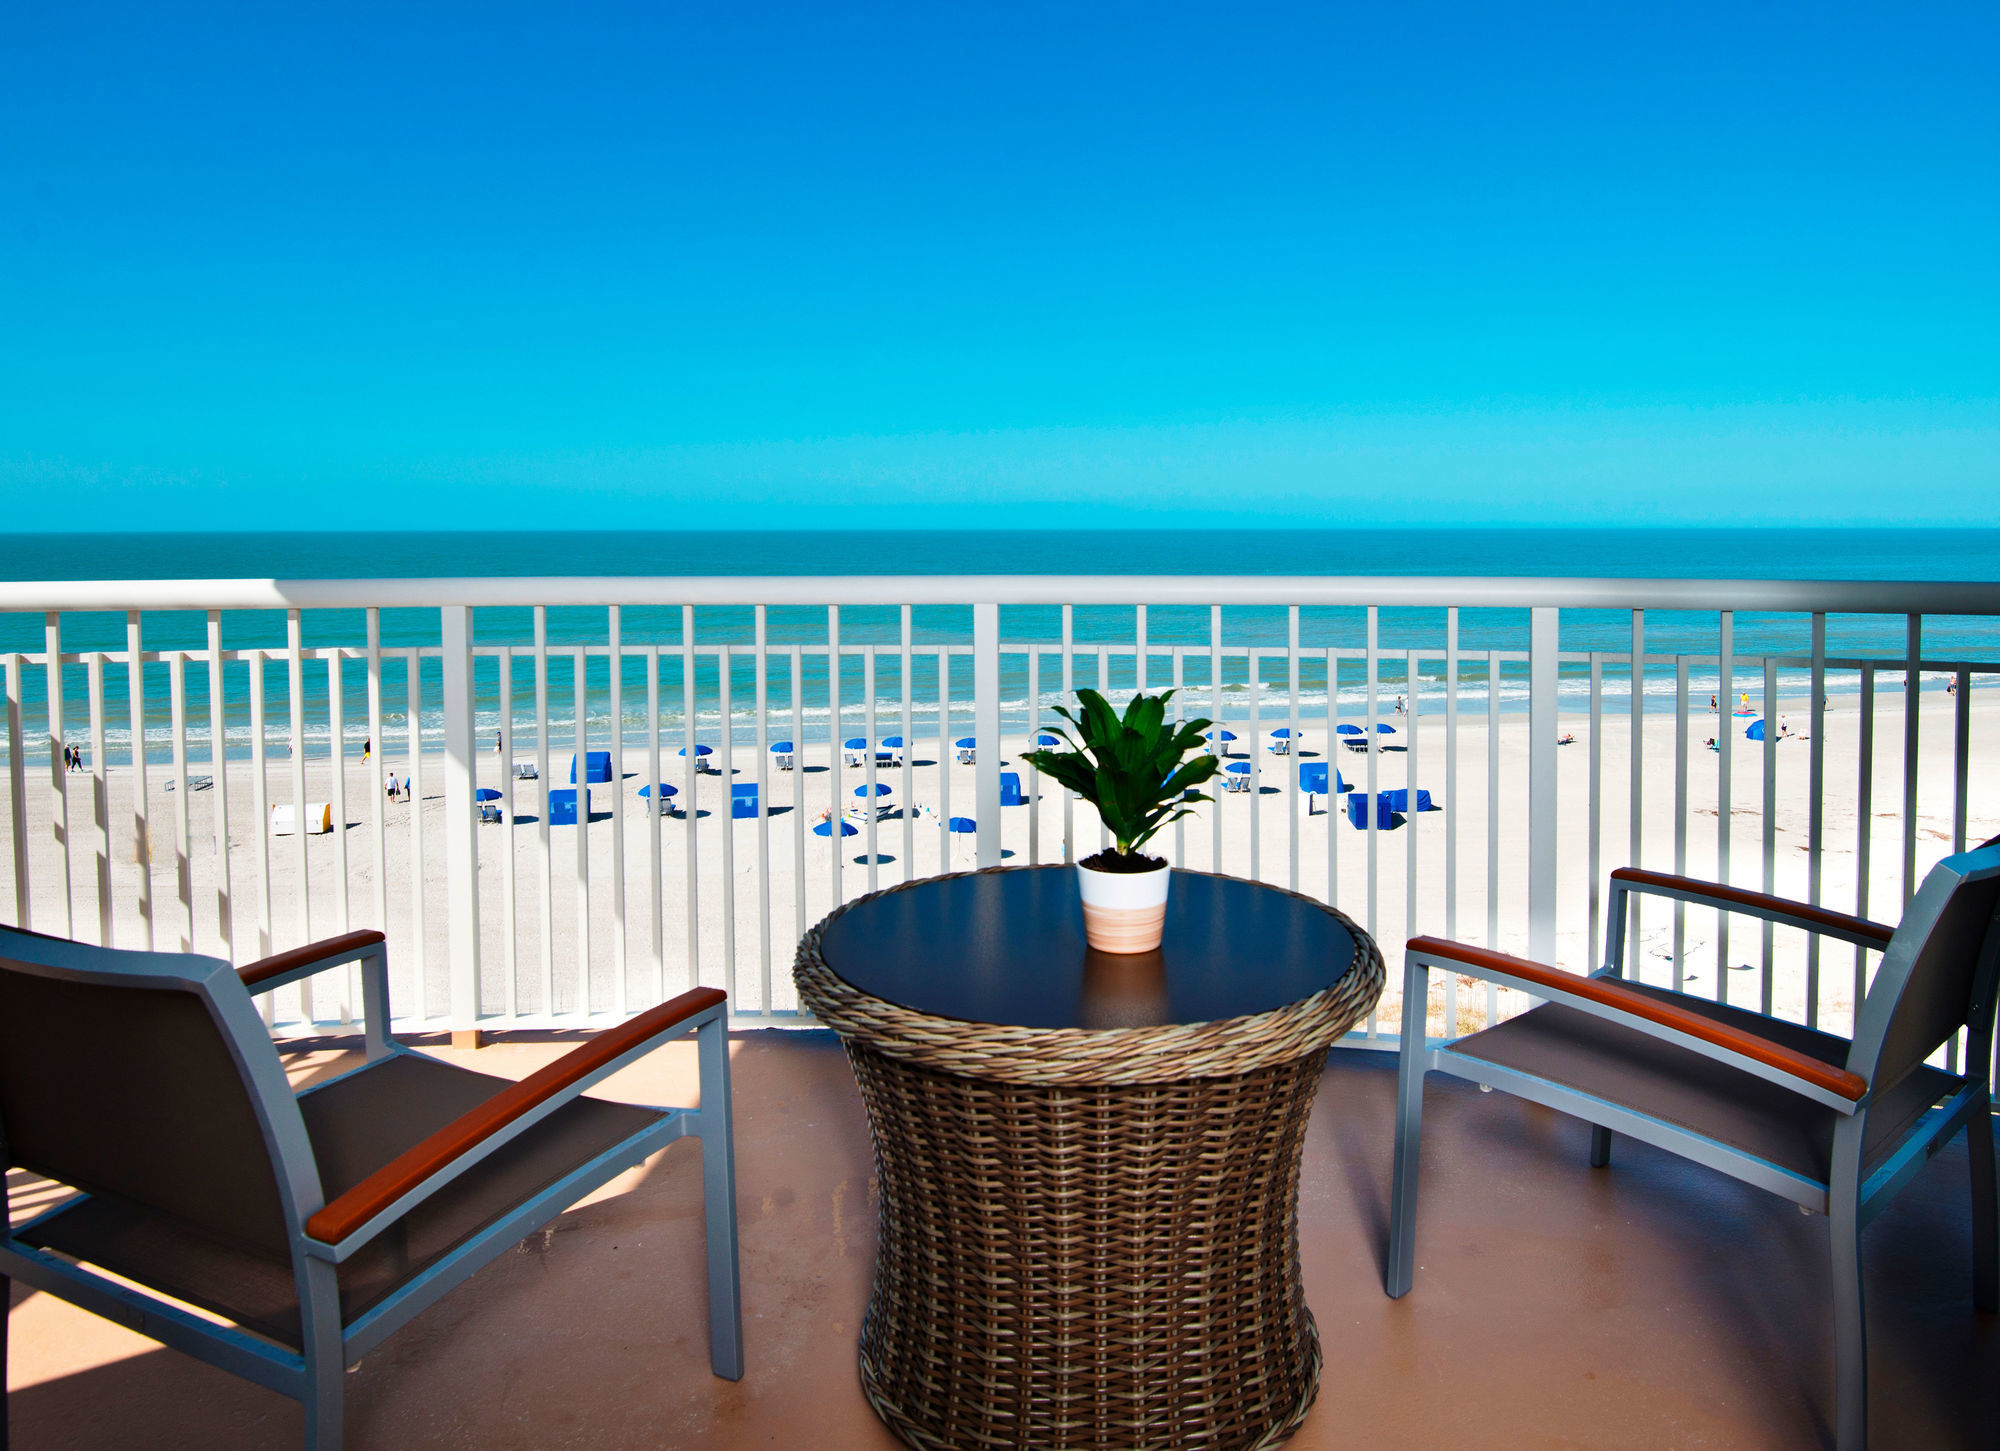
x: 1711, y: 706
x: 1784, y: 726
x: 366, y: 747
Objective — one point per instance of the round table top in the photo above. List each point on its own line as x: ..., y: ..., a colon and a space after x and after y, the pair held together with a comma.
x: 1007, y: 947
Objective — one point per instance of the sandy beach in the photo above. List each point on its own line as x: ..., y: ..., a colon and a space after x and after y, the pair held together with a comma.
x: 740, y: 867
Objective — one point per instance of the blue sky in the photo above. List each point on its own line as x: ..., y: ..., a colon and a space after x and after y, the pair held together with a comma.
x: 998, y: 266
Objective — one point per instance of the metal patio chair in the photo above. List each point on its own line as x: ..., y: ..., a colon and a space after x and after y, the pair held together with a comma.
x: 316, y: 1224
x: 1838, y: 1126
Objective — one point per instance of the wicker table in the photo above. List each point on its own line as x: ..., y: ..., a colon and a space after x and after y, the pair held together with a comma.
x: 1088, y: 1163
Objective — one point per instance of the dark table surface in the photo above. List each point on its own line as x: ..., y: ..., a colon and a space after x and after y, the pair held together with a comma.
x: 1008, y: 948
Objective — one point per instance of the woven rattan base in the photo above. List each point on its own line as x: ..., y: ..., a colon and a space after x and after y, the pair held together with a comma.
x: 1089, y: 1238
x: 1101, y: 1267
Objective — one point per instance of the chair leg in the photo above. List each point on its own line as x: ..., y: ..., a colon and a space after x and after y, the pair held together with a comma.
x: 1401, y: 1268
x: 1850, y: 1334
x: 718, y: 1187
x: 1985, y: 1211
x: 1600, y: 1146
x: 326, y: 1361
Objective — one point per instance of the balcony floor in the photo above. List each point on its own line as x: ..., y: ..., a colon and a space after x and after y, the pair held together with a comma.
x: 1651, y: 1305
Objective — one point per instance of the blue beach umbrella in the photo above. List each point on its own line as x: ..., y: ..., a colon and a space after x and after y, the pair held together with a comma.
x: 1283, y: 733
x: 699, y: 751
x: 663, y: 791
x: 882, y: 788
x: 1348, y: 728
x: 486, y: 793
x: 964, y: 825
x: 825, y: 828
x: 855, y: 743
x: 892, y: 743
x: 1045, y: 739
x: 966, y: 743
x: 1383, y: 728
x: 781, y: 748
x: 1225, y: 735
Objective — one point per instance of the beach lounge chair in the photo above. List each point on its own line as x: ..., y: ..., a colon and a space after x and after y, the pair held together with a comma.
x: 968, y: 751
x: 1218, y: 742
x: 782, y: 755
x: 596, y: 766
x: 855, y: 751
x: 743, y: 801
x: 1837, y: 1125
x: 1281, y: 741
x: 659, y: 797
x: 1236, y: 776
x: 701, y: 755
x: 1010, y: 789
x: 562, y: 805
x: 524, y: 770
x: 891, y: 751
x: 489, y: 804
x: 306, y: 1229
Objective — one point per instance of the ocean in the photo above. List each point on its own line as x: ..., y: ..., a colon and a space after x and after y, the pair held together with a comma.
x: 1685, y: 553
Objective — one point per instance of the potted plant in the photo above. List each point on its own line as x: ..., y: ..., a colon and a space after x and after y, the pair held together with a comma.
x: 1136, y: 773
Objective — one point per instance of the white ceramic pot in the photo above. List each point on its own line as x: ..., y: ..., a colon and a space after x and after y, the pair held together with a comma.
x: 1123, y: 911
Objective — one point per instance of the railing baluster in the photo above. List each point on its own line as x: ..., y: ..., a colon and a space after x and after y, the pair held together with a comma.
x: 142, y: 836
x: 372, y: 782
x: 1410, y: 763
x: 1215, y: 711
x: 869, y: 774
x: 260, y: 813
x: 1333, y: 801
x: 1180, y: 823
x: 836, y: 753
x: 1069, y: 695
x: 909, y: 806
x: 413, y: 689
x: 760, y: 776
x: 690, y: 778
x: 945, y: 863
x: 726, y: 815
x: 100, y: 798
x: 295, y: 750
x: 183, y: 865
x: 621, y: 961
x: 1374, y: 740
x: 1864, y: 823
x: 336, y: 730
x: 1636, y: 707
x: 17, y: 796
x: 1913, y: 701
x: 799, y: 794
x: 1770, y: 833
x: 1816, y: 809
x: 1681, y: 811
x: 1255, y: 731
x: 656, y: 911
x: 59, y: 769
x: 1492, y: 822
x: 1293, y: 755
x: 1725, y: 738
x: 510, y: 920
x: 1961, y: 747
x: 1595, y: 854
x: 579, y: 772
x: 543, y: 839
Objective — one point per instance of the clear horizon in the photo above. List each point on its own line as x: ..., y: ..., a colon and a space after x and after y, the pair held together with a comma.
x: 904, y: 268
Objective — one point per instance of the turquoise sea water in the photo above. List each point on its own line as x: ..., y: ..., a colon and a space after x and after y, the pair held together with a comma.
x: 1692, y: 553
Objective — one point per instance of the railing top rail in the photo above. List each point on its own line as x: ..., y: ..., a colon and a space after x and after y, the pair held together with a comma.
x: 1929, y: 597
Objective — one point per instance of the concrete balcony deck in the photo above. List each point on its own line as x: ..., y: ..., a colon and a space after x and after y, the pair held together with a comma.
x: 1650, y: 1305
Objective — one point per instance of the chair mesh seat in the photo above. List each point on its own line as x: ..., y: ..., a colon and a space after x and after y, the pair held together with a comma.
x: 357, y: 1123
x: 1611, y: 1061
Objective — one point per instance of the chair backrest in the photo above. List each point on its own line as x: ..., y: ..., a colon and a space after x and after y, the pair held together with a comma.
x: 122, y: 1075
x: 1937, y: 974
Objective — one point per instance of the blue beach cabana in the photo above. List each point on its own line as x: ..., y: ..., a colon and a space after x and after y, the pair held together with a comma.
x: 596, y: 767
x: 743, y: 800
x: 562, y: 806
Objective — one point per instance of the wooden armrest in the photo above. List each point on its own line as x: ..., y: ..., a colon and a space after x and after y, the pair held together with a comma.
x: 330, y: 949
x: 412, y: 1167
x: 1801, y: 912
x: 1611, y: 993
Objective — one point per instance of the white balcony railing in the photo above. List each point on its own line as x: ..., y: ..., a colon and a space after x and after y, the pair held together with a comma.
x: 528, y: 924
